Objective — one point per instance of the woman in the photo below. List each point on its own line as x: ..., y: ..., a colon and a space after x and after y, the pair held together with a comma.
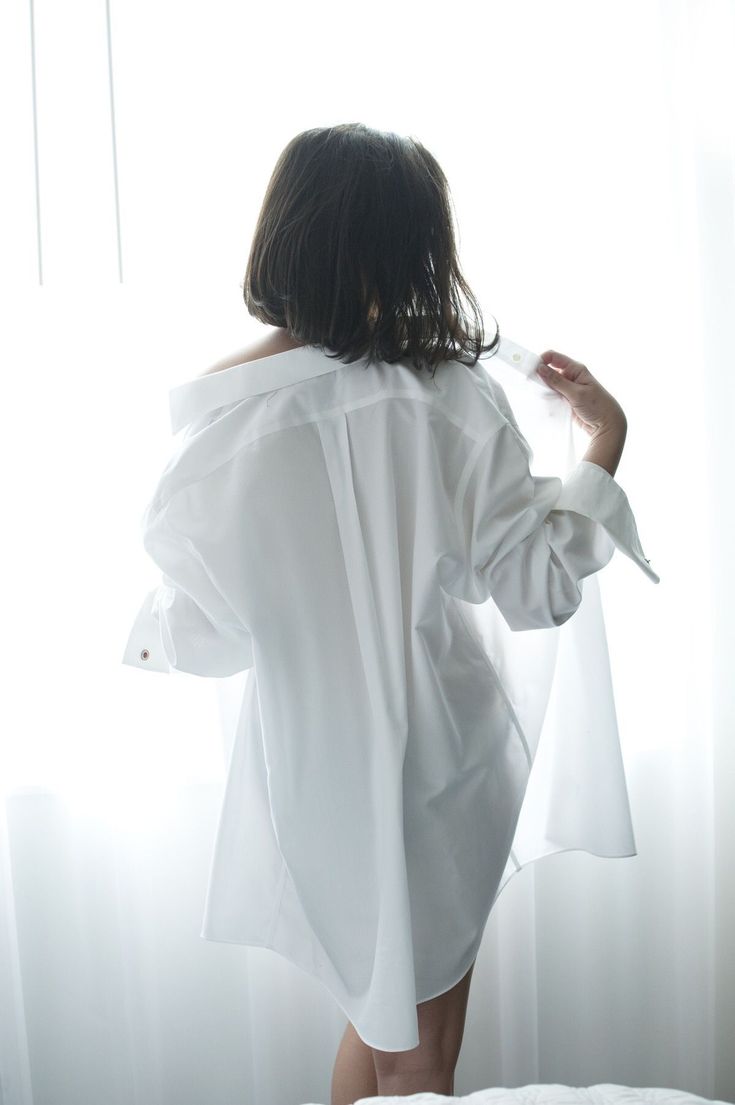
x: 343, y: 489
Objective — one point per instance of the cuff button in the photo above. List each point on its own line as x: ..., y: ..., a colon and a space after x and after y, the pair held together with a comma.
x: 144, y: 654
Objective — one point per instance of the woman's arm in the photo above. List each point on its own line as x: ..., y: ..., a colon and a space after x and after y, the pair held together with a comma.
x: 606, y: 445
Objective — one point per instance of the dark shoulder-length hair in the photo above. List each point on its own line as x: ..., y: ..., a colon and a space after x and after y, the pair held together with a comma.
x: 354, y: 251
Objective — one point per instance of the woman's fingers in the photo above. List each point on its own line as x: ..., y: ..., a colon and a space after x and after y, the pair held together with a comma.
x: 570, y: 369
x: 592, y: 405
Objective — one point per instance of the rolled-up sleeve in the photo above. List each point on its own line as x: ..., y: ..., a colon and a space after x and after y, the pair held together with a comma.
x: 185, y: 623
x: 528, y: 541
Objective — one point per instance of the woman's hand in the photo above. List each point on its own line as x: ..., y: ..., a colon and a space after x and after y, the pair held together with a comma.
x: 593, y: 408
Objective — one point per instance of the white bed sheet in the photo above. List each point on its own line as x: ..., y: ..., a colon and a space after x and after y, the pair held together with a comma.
x: 552, y: 1094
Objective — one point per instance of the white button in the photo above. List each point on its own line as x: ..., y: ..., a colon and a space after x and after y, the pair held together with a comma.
x: 516, y: 356
x: 145, y: 654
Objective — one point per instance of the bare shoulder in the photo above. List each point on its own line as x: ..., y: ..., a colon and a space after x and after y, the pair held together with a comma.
x: 275, y: 341
x: 242, y: 356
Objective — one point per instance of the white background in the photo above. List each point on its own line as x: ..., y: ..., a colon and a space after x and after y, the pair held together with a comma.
x: 589, y: 149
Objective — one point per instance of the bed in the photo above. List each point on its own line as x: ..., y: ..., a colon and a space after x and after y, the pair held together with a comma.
x: 605, y: 1093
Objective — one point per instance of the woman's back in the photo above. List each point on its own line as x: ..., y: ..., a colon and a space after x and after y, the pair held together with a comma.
x: 322, y: 526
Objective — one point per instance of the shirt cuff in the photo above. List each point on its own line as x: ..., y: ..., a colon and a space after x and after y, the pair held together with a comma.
x: 145, y: 648
x: 592, y: 491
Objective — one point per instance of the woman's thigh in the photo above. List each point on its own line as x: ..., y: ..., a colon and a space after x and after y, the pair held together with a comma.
x: 441, y: 1027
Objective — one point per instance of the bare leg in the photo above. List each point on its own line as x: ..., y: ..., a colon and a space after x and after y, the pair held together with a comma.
x: 354, y: 1070
x: 428, y: 1068
x: 401, y: 1084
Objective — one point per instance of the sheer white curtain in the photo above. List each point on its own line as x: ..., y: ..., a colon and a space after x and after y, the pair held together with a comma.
x: 590, y: 152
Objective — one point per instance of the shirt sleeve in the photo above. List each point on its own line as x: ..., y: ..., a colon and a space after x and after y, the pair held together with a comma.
x: 185, y: 623
x: 528, y: 541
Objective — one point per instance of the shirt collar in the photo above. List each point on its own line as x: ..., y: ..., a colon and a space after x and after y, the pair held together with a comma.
x: 216, y: 389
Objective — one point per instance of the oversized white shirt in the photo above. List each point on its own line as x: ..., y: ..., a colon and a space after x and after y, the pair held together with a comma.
x: 368, y: 546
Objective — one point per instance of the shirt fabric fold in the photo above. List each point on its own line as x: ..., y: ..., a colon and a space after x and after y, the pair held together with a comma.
x: 401, y: 584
